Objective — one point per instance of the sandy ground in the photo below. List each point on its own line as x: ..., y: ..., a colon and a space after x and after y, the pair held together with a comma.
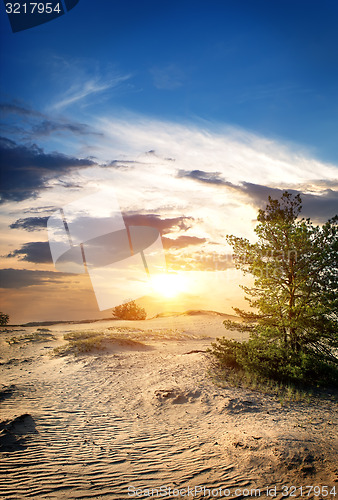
x: 149, y: 416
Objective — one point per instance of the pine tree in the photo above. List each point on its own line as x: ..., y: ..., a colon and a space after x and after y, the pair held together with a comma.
x: 294, y: 296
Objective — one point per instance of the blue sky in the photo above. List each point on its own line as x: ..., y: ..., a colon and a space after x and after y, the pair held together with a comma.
x: 192, y: 112
x: 268, y: 66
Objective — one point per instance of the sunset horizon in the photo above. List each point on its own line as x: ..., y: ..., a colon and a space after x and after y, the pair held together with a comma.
x: 175, y: 150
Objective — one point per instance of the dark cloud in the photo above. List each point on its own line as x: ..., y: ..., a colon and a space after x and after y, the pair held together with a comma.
x: 319, y: 207
x: 25, y: 169
x: 18, y: 110
x: 207, y: 177
x: 36, y: 251
x: 47, y: 127
x: 21, y: 278
x: 39, y: 251
x: 182, y: 241
x: 30, y: 223
x: 38, y: 124
x: 122, y: 164
x: 163, y: 225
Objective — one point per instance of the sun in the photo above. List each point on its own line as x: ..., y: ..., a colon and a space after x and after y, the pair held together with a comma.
x: 168, y: 284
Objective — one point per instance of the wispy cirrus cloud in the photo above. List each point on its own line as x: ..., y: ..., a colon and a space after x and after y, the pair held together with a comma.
x: 232, y: 152
x: 84, y: 90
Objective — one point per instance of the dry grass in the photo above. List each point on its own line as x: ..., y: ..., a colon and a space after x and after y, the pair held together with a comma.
x: 86, y: 341
x: 41, y: 335
x: 155, y: 334
x: 285, y: 393
x: 92, y: 341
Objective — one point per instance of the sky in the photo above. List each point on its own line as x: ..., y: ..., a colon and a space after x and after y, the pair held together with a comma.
x: 189, y: 113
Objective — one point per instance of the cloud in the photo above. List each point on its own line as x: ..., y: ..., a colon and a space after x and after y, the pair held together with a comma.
x: 207, y: 177
x: 36, y: 251
x: 164, y: 225
x: 319, y: 206
x: 169, y: 77
x: 236, y: 154
x: 21, y: 278
x: 19, y: 110
x: 220, y: 176
x: 35, y: 124
x: 30, y: 223
x: 122, y: 164
x: 215, y: 185
x: 86, y: 89
x: 182, y: 241
x: 48, y: 127
x: 26, y: 169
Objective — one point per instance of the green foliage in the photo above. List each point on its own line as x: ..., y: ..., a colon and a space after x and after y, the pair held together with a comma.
x: 4, y: 319
x: 273, y: 361
x: 129, y: 311
x: 294, y: 323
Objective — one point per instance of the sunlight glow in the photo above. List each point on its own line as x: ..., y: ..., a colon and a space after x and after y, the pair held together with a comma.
x: 169, y: 285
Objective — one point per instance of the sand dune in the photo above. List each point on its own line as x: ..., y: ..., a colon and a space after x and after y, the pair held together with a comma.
x: 144, y: 413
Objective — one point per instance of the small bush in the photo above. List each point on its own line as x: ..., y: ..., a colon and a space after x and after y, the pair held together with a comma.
x: 4, y: 319
x: 129, y: 311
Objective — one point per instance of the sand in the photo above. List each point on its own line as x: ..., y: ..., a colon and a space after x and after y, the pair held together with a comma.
x: 148, y: 415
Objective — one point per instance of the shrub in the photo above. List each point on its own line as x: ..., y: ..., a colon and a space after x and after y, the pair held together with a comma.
x: 4, y: 318
x: 129, y: 311
x: 268, y: 360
